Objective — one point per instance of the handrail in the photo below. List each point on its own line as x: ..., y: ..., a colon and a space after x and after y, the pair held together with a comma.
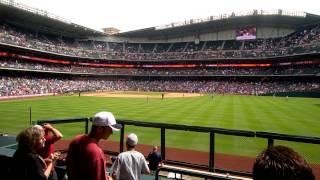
x: 197, y: 173
x: 61, y: 121
x: 206, y: 167
x: 188, y: 128
x: 295, y: 138
x: 160, y: 125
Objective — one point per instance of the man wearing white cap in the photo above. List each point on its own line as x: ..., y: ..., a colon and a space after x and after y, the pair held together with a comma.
x: 130, y: 164
x: 85, y: 159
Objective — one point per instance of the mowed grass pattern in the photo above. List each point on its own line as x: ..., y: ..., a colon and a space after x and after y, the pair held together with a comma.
x: 295, y: 116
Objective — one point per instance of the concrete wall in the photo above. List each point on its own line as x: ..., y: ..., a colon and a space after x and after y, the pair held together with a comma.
x: 262, y: 32
x: 269, y: 32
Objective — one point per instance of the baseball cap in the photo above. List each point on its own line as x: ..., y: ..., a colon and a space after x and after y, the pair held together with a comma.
x: 106, y: 119
x: 132, y: 139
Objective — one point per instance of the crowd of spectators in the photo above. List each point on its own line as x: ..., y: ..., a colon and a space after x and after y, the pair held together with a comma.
x: 221, y: 71
x: 302, y: 41
x: 17, y: 86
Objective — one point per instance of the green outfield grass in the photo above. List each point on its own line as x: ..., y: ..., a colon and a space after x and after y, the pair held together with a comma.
x: 295, y: 116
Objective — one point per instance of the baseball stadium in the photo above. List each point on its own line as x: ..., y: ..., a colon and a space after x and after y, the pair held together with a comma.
x: 212, y: 93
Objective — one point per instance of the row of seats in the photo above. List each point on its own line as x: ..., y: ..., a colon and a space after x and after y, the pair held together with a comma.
x: 19, y: 86
x: 302, y: 41
x: 308, y: 69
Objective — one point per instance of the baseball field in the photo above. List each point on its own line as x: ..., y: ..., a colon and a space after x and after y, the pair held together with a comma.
x: 294, y: 116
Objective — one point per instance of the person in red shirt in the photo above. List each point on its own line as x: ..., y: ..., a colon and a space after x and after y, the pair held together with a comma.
x: 85, y: 159
x: 51, y: 135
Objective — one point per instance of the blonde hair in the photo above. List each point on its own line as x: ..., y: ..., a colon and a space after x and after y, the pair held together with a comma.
x: 28, y: 138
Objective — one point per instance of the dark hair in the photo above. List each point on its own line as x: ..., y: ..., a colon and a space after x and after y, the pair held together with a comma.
x: 93, y: 128
x: 130, y: 146
x: 281, y: 163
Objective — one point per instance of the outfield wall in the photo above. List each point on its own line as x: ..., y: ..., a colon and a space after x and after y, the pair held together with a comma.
x: 296, y: 94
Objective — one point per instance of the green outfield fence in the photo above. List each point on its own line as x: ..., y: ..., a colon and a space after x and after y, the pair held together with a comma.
x: 212, y: 133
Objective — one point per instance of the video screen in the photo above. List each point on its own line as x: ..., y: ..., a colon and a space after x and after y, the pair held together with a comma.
x: 249, y: 32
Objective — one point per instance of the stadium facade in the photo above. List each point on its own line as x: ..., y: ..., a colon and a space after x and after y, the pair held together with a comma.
x: 257, y: 53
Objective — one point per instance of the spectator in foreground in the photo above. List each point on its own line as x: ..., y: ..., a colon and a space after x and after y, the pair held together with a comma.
x: 28, y: 164
x: 51, y: 136
x: 85, y: 159
x: 130, y: 164
x: 154, y: 159
x: 281, y: 163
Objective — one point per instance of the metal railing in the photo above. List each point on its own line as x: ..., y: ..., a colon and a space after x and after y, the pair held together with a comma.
x: 212, y: 132
x: 195, y: 173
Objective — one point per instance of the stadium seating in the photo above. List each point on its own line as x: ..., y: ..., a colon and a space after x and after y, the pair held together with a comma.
x: 300, y: 42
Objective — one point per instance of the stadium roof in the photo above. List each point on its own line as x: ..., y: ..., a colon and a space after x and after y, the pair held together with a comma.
x: 39, y: 20
x: 43, y: 21
x: 224, y: 22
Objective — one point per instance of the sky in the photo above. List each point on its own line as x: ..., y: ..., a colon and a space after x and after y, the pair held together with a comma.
x: 128, y: 15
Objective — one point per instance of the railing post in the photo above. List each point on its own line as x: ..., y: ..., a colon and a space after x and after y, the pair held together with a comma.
x: 163, y: 143
x: 211, y: 155
x: 30, y: 117
x: 121, y: 138
x: 270, y: 142
x: 157, y: 174
x: 87, y: 125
